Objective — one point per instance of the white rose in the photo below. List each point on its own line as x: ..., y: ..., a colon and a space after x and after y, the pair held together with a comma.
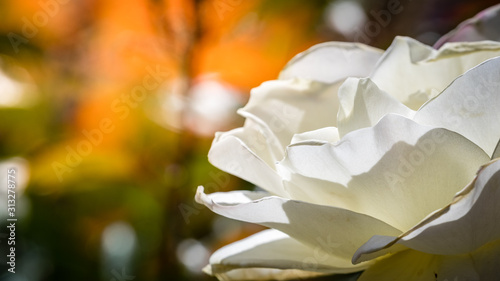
x: 374, y: 174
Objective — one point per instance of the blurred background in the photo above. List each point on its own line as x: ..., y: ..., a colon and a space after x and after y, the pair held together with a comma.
x: 108, y: 109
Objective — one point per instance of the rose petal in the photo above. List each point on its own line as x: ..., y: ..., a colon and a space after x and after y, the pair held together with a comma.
x: 332, y: 62
x: 243, y: 152
x: 253, y: 274
x: 397, y: 171
x: 276, y: 111
x: 327, y: 134
x: 483, y: 26
x: 332, y: 230
x: 463, y: 226
x: 362, y: 104
x: 469, y: 106
x: 496, y: 151
x: 284, y: 108
x: 239, y: 197
x: 406, y: 265
x: 319, y: 192
x: 416, y: 266
x: 273, y: 249
x: 486, y: 260
x: 413, y: 72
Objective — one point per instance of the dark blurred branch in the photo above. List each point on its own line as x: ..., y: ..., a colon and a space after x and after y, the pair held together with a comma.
x: 189, y: 36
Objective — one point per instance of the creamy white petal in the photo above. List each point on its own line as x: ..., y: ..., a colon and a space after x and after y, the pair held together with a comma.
x: 412, y: 265
x: 462, y: 227
x: 244, y: 152
x: 413, y: 72
x: 332, y: 62
x: 275, y: 112
x: 377, y: 246
x: 327, y: 134
x: 316, y: 191
x: 496, y: 151
x: 486, y: 260
x: 274, y: 249
x: 254, y: 274
x: 285, y: 108
x: 406, y: 265
x: 332, y: 230
x: 239, y: 196
x: 362, y: 104
x: 397, y: 171
x: 469, y: 106
x: 483, y: 26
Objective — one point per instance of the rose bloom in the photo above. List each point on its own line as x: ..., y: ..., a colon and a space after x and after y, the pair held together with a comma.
x: 394, y: 175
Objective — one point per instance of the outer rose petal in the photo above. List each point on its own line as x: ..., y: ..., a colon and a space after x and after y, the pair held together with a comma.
x: 332, y: 62
x: 496, y: 152
x: 413, y: 72
x: 335, y: 231
x: 469, y: 106
x: 486, y: 260
x: 481, y: 264
x: 406, y: 265
x: 243, y: 152
x: 285, y: 108
x: 397, y: 171
x: 273, y: 249
x: 462, y: 227
x: 411, y: 265
x: 483, y: 26
x: 276, y: 111
x: 254, y: 274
